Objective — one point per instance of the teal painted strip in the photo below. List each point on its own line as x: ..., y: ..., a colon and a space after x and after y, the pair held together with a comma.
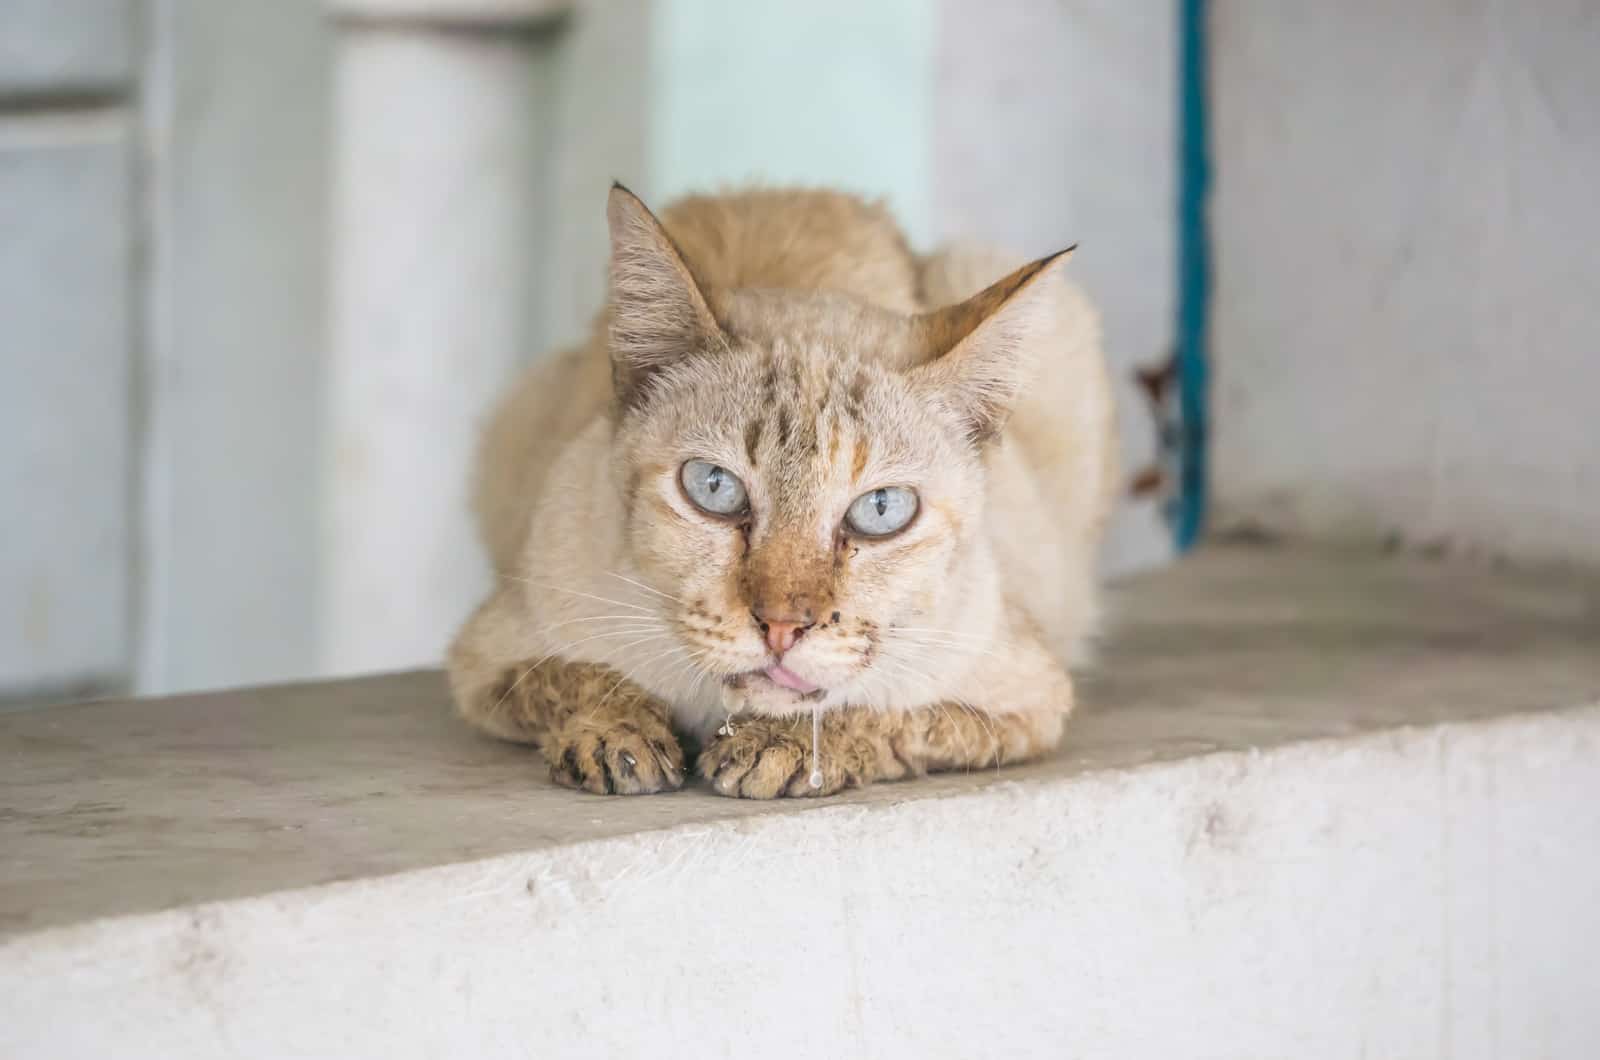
x: 1194, y: 271
x: 834, y: 92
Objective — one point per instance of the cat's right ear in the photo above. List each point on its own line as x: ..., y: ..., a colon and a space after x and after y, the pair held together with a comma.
x: 658, y: 313
x: 980, y: 352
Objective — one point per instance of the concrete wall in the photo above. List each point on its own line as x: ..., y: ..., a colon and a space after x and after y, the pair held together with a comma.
x: 674, y: 96
x: 66, y: 49
x: 907, y: 101
x: 828, y: 92
x: 68, y: 232
x: 1054, y: 124
x: 161, y: 202
x: 237, y: 114
x: 1405, y: 316
x: 65, y: 401
x: 260, y: 328
x: 1403, y: 321
x: 901, y: 101
x: 441, y: 158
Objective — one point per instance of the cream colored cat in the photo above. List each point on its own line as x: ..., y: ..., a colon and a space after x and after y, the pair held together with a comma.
x: 795, y: 466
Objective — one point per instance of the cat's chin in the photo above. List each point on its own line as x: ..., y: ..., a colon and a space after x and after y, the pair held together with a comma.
x: 756, y: 692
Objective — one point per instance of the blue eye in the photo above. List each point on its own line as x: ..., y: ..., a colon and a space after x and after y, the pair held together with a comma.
x: 881, y: 512
x: 713, y: 489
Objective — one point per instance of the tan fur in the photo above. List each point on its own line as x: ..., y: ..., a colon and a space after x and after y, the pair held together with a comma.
x: 598, y: 731
x: 791, y: 337
x: 760, y: 757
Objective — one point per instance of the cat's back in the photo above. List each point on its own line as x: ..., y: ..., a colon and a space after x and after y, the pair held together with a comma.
x: 796, y: 239
x: 1054, y: 474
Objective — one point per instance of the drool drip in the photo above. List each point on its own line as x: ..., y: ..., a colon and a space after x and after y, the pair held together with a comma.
x: 816, y: 742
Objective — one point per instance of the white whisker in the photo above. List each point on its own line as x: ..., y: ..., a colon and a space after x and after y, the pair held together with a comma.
x: 686, y: 666
x: 964, y: 648
x: 564, y: 648
x: 646, y: 588
x: 628, y: 676
x: 953, y: 633
x: 575, y: 592
x: 523, y: 676
x: 596, y: 618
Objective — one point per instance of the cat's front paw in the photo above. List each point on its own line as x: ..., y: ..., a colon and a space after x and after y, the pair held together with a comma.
x: 769, y: 758
x: 610, y: 756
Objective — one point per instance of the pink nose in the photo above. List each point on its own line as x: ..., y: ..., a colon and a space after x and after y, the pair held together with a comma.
x: 781, y: 636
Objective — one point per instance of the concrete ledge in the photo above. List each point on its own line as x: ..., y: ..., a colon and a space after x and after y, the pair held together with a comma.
x: 1319, y: 804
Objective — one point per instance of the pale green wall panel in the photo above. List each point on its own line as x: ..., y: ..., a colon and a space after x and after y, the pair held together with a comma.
x: 834, y: 92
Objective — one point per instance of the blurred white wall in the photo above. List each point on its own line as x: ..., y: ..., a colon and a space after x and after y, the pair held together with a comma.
x: 162, y: 233
x: 441, y: 155
x: 1028, y: 124
x: 674, y: 96
x: 1407, y: 333
x: 233, y: 368
x: 298, y: 244
x: 904, y: 101
x: 1054, y: 123
x: 68, y: 347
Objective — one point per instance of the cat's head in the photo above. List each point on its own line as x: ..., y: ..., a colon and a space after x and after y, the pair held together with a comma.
x: 804, y: 473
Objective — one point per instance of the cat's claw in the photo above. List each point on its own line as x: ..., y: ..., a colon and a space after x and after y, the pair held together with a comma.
x: 621, y: 760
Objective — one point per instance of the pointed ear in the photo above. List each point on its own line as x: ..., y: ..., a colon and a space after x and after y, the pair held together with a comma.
x: 980, y: 351
x: 658, y: 314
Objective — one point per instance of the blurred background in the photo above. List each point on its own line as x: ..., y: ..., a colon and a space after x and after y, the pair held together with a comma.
x: 263, y: 266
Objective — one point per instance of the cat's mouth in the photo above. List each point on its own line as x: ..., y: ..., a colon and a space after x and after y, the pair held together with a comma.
x: 781, y: 676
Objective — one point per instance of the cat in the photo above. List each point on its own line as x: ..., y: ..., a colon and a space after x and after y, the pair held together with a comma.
x: 795, y: 467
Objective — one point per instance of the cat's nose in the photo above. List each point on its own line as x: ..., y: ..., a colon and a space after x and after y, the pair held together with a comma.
x: 782, y: 635
x: 782, y: 629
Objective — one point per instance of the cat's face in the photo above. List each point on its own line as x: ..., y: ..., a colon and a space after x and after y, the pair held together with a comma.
x: 803, y: 476
x: 800, y: 486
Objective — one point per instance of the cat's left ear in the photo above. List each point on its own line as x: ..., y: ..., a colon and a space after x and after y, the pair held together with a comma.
x: 980, y: 352
x: 658, y: 313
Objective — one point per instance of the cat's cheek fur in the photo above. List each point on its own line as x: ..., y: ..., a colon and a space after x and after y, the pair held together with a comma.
x: 695, y: 561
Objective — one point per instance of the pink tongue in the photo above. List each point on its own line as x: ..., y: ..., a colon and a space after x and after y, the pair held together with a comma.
x: 789, y: 679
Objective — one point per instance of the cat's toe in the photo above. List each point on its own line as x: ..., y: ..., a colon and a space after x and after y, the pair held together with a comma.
x: 809, y: 784
x: 764, y: 760
x: 621, y: 760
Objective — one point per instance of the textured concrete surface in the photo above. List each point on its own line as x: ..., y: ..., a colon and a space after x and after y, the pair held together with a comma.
x: 1404, y: 324
x: 439, y: 149
x: 1316, y: 803
x: 50, y: 47
x: 232, y: 389
x: 1034, y: 152
x: 67, y: 250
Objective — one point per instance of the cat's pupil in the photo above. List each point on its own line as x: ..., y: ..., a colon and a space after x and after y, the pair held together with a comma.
x: 714, y: 480
x: 880, y: 501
